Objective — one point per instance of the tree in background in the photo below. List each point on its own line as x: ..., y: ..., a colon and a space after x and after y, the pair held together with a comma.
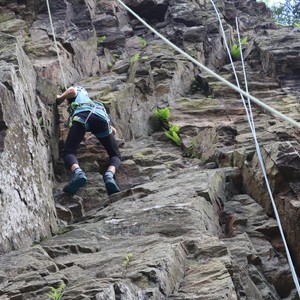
x: 286, y: 12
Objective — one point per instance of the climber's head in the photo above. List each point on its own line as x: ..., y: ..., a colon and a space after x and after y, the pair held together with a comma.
x: 78, y: 89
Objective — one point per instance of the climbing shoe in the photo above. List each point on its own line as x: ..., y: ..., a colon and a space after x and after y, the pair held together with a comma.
x: 110, y: 183
x: 77, y: 181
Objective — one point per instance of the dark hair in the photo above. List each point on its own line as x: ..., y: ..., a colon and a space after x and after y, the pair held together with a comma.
x: 70, y: 100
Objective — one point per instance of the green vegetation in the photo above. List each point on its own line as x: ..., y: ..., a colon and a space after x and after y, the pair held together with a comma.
x: 128, y: 258
x: 297, y: 25
x: 101, y: 39
x: 171, y: 131
x: 192, y: 149
x: 140, y: 56
x: 163, y: 114
x: 56, y: 294
x: 115, y: 57
x: 60, y: 230
x: 135, y: 58
x: 144, y: 58
x: 142, y: 42
x: 173, y: 135
x: 235, y: 50
x: 41, y: 122
x: 286, y: 13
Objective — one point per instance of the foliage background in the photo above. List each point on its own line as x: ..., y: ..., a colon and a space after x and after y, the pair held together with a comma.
x: 286, y: 12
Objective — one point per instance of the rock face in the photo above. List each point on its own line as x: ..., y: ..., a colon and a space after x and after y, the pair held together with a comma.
x: 194, y: 222
x: 27, y: 209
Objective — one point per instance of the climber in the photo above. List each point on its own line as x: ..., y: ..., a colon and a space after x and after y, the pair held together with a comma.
x: 87, y: 115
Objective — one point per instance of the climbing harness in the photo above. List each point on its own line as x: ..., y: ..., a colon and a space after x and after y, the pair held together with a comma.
x: 94, y: 104
x: 229, y: 84
x: 249, y: 116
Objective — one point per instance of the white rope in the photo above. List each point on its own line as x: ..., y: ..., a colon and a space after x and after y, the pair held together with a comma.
x: 249, y: 116
x: 248, y: 110
x: 229, y: 84
x: 290, y: 261
x: 233, y: 67
x: 55, y: 43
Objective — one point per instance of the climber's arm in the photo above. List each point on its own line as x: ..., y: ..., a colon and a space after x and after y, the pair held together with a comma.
x: 71, y: 92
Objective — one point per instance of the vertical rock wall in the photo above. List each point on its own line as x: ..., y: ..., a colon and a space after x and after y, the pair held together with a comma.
x: 27, y: 208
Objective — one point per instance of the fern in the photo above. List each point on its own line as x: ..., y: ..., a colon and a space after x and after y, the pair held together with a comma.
x: 235, y: 51
x: 173, y: 135
x: 163, y: 114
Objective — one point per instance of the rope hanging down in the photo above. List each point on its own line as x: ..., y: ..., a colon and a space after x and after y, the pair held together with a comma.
x: 248, y: 110
x: 249, y: 115
x: 220, y: 78
x: 56, y: 47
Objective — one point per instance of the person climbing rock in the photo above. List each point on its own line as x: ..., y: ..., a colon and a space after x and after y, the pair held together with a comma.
x: 87, y: 115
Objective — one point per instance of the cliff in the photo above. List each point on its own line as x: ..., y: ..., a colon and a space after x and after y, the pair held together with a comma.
x: 191, y: 222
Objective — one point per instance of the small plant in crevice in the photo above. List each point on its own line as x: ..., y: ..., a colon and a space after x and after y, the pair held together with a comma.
x: 173, y: 134
x: 140, y: 56
x: 135, y: 58
x: 115, y: 57
x: 41, y: 122
x: 171, y: 131
x: 57, y: 293
x: 101, y: 39
x: 142, y: 42
x: 192, y: 151
x: 163, y: 114
x: 235, y: 50
x: 127, y: 259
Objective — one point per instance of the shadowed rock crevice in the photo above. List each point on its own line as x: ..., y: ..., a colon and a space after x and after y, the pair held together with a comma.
x: 3, y: 128
x: 150, y: 12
